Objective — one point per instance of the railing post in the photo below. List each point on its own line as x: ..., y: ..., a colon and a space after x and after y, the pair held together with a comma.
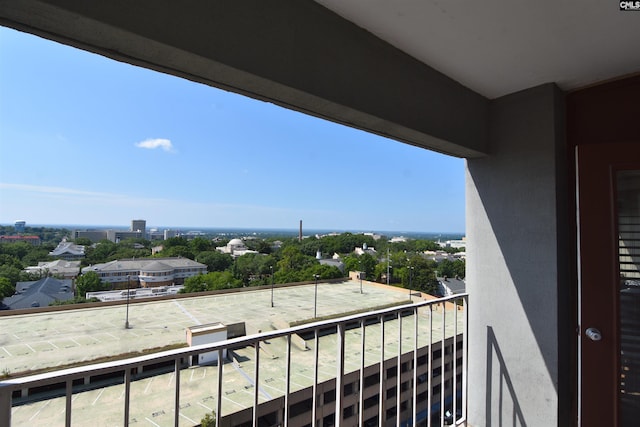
x: 5, y: 406
x: 362, y: 361
x: 288, y: 386
x: 454, y: 362
x: 340, y: 375
x: 442, y: 362
x: 219, y: 397
x: 414, y: 398
x: 381, y: 391
x: 256, y: 386
x: 68, y: 397
x: 316, y: 344
x: 399, y: 370
x: 127, y: 395
x: 465, y: 347
x: 176, y: 418
x: 430, y: 367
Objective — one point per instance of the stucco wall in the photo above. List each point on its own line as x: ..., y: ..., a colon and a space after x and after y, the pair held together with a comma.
x: 516, y: 206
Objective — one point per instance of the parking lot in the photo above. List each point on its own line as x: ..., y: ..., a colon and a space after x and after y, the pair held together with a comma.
x: 44, y: 340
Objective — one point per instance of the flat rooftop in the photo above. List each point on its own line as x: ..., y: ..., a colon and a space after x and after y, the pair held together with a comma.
x: 36, y: 341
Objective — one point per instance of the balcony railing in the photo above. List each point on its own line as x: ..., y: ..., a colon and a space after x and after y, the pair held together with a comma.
x: 399, y: 366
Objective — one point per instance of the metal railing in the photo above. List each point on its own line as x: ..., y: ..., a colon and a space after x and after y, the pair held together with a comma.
x: 420, y: 367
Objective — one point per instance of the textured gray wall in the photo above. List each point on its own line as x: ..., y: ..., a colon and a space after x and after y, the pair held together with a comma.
x: 515, y: 199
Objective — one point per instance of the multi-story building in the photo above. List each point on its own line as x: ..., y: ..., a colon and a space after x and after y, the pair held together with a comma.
x: 139, y: 225
x: 20, y: 226
x: 137, y: 230
x: 117, y: 236
x: 147, y: 272
x: 32, y: 240
x: 93, y: 235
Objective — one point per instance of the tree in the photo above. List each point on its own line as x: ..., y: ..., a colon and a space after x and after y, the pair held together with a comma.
x: 420, y: 275
x: 89, y: 282
x: 451, y: 268
x: 17, y: 249
x: 209, y: 420
x: 367, y: 263
x: 83, y: 241
x: 215, y: 261
x: 35, y: 256
x: 102, y: 252
x: 6, y: 288
x: 200, y: 244
x: 11, y: 273
x: 176, y: 251
x: 351, y: 262
x: 10, y: 261
x: 210, y: 282
x: 263, y: 247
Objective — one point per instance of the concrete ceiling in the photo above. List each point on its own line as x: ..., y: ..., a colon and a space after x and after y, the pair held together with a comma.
x: 496, y: 47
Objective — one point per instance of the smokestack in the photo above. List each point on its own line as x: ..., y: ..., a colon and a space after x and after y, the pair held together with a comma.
x: 300, y: 232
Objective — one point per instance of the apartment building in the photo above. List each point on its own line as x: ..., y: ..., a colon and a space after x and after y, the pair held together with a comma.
x: 32, y: 240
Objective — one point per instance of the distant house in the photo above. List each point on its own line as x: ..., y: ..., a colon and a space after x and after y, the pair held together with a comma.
x: 438, y: 256
x: 450, y: 286
x: 67, y: 251
x: 40, y: 293
x: 365, y: 250
x: 333, y: 263
x: 60, y: 268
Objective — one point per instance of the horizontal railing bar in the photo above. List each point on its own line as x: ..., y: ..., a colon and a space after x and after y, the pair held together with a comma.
x: 11, y: 384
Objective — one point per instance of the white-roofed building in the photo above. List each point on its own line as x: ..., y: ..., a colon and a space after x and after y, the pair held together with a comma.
x: 235, y: 248
x: 67, y: 250
x: 61, y: 268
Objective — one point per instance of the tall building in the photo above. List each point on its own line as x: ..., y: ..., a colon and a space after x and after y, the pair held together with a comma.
x: 137, y: 230
x: 19, y: 226
x: 139, y: 225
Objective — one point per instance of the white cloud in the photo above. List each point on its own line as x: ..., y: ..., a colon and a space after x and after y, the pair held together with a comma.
x: 152, y: 144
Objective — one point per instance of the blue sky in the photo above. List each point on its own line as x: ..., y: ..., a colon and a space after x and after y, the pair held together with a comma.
x: 88, y: 140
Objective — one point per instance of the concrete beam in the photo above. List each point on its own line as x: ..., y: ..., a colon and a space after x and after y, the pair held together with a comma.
x: 294, y: 53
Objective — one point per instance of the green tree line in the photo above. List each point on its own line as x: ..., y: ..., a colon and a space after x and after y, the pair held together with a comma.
x: 291, y: 261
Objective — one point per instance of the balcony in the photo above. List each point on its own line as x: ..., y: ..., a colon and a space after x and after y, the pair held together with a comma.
x: 285, y: 377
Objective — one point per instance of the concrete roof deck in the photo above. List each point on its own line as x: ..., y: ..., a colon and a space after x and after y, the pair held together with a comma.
x: 48, y: 339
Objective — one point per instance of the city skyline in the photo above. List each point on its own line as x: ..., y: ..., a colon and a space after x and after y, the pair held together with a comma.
x: 94, y: 141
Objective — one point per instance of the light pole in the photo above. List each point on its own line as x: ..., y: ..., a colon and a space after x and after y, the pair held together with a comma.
x: 271, y: 268
x: 360, y: 275
x: 388, y: 267
x: 410, y: 276
x: 126, y: 322
x: 315, y: 298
